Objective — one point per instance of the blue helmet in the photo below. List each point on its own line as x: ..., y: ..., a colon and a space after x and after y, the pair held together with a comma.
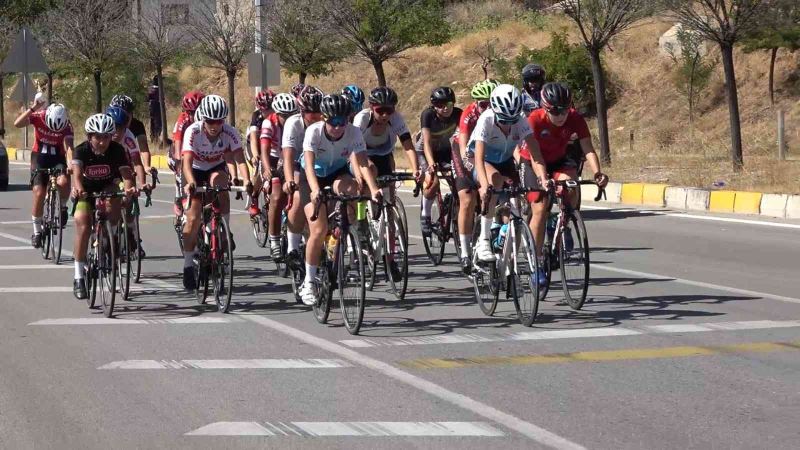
x: 355, y: 95
x: 119, y: 115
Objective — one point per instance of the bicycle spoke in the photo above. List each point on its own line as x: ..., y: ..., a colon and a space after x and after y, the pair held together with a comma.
x: 524, y: 288
x: 574, y: 260
x: 350, y: 278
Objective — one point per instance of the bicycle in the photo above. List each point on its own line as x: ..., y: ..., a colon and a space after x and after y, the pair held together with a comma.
x: 564, y: 251
x: 295, y: 274
x: 52, y: 228
x: 388, y: 239
x: 342, y: 263
x: 444, y: 219
x: 515, y: 267
x: 214, y: 255
x: 130, y: 260
x: 102, y: 258
x: 259, y: 222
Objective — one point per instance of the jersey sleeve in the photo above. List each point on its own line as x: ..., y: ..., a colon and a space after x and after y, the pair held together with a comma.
x: 79, y: 155
x: 362, y: 121
x: 234, y: 138
x: 187, y: 145
x: 426, y: 118
x: 311, y: 140
x: 482, y: 128
x: 292, y: 135
x: 463, y: 123
x: 68, y: 131
x: 120, y: 157
x: 131, y: 144
x: 37, y: 119
x: 267, y: 132
x: 137, y: 128
x: 399, y: 127
x: 359, y: 145
x: 524, y: 128
x: 579, y: 125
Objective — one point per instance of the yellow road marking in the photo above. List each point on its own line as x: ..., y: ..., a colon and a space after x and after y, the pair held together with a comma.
x: 599, y: 356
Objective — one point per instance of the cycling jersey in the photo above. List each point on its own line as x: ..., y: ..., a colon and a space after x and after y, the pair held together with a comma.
x: 469, y: 117
x: 292, y: 135
x: 331, y: 156
x: 381, y: 144
x: 256, y: 118
x: 441, y: 129
x: 45, y: 140
x: 271, y: 134
x: 100, y: 170
x: 137, y: 128
x: 130, y: 144
x: 498, y: 147
x: 208, y: 154
x: 531, y: 102
x: 553, y: 140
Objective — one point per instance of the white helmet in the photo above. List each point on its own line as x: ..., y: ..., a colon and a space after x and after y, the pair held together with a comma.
x: 506, y: 102
x: 284, y: 104
x: 56, y: 117
x: 100, y: 123
x: 213, y: 107
x: 197, y: 116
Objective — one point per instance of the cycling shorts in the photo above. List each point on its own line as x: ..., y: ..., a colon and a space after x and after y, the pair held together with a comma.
x: 384, y: 163
x: 277, y: 168
x: 45, y: 161
x: 202, y: 177
x: 305, y: 188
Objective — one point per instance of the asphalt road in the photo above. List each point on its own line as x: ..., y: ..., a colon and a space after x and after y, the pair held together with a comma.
x: 691, y: 339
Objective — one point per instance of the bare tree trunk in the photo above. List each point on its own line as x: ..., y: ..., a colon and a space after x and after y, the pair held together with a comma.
x: 485, y: 67
x: 691, y: 87
x: 162, y: 104
x: 773, y: 55
x: 2, y: 106
x: 50, y: 88
x: 378, y: 65
x: 733, y: 106
x: 231, y: 97
x: 303, y: 76
x: 600, y: 102
x: 98, y: 94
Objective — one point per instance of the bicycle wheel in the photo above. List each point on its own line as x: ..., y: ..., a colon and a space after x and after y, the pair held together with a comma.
x: 399, y: 255
x: 369, y: 254
x: 202, y: 269
x: 548, y: 270
x: 322, y: 309
x: 453, y: 218
x: 91, y: 272
x: 178, y: 225
x: 136, y: 264
x: 280, y: 265
x: 260, y: 225
x: 123, y: 260
x: 57, y: 231
x: 47, y: 218
x: 524, y: 266
x: 107, y: 269
x: 403, y: 218
x: 486, y: 286
x: 350, y: 278
x: 574, y: 261
x: 434, y: 244
x: 222, y: 265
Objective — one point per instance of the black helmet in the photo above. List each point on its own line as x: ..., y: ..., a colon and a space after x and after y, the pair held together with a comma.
x: 335, y: 105
x: 443, y: 94
x: 309, y: 99
x: 383, y: 96
x: 123, y: 101
x: 556, y: 95
x: 533, y: 72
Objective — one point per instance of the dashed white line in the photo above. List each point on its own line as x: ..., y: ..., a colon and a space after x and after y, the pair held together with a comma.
x: 151, y: 364
x: 104, y: 321
x: 355, y: 429
x: 35, y: 267
x: 17, y: 247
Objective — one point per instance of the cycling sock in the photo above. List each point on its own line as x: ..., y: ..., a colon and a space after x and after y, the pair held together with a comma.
x: 294, y: 241
x: 464, y: 239
x: 311, y: 272
x: 37, y: 224
x: 188, y: 259
x: 486, y: 227
x: 427, y: 205
x: 80, y: 269
x: 274, y: 238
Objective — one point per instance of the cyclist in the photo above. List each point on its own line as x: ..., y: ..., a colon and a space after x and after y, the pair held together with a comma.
x: 98, y: 165
x: 191, y: 100
x: 328, y: 148
x: 253, y: 151
x: 136, y: 126
x: 208, y: 146
x: 52, y: 145
x: 308, y: 101
x: 284, y: 106
x: 553, y: 125
x: 494, y: 141
x: 533, y: 76
x: 356, y: 97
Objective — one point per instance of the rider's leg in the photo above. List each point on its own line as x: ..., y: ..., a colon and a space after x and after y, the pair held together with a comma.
x: 37, y: 209
x: 220, y: 179
x: 277, y: 200
x: 82, y: 220
x: 467, y: 197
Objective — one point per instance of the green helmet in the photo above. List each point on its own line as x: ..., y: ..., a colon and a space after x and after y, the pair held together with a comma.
x: 483, y: 89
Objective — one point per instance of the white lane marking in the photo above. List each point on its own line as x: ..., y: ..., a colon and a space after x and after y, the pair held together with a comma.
x: 34, y: 290
x: 631, y: 330
x: 732, y: 220
x: 104, y: 321
x: 148, y: 364
x: 18, y: 247
x: 16, y: 222
x: 697, y: 283
x: 528, y: 429
x: 15, y: 238
x: 356, y: 429
x: 36, y: 266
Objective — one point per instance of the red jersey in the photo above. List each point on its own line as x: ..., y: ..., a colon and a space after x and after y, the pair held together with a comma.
x: 45, y: 140
x: 183, y: 122
x: 553, y: 140
x: 271, y: 134
x: 469, y: 117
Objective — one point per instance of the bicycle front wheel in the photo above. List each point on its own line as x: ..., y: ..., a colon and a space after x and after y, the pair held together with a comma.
x: 397, y: 251
x: 350, y: 278
x: 454, y: 207
x: 434, y: 244
x: 107, y: 269
x: 136, y: 264
x: 57, y: 232
x: 401, y: 208
x: 47, y: 225
x: 222, y: 264
x: 523, y: 286
x: 322, y: 309
x: 91, y: 272
x: 259, y: 225
x: 573, y: 256
x: 124, y: 260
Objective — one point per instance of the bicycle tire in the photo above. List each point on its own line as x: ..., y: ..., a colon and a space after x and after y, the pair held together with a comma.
x: 548, y: 270
x: 222, y: 273
x: 178, y: 225
x: 523, y: 287
x: 280, y: 265
x: 46, y: 225
x: 403, y: 218
x: 91, y: 273
x: 486, y: 287
x: 574, y: 263
x: 107, y: 270
x: 322, y: 309
x: 371, y: 267
x: 201, y: 270
x: 123, y: 260
x: 58, y: 230
x: 259, y: 225
x: 137, y: 255
x: 350, y: 278
x: 454, y: 234
x: 401, y: 253
x: 434, y: 246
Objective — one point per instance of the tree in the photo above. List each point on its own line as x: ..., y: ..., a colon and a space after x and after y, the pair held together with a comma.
x: 24, y: 12
x: 488, y: 54
x: 598, y: 22
x: 6, y: 35
x: 382, y: 29
x: 694, y: 69
x: 298, y: 33
x: 157, y: 44
x: 226, y: 36
x: 725, y: 23
x: 89, y: 35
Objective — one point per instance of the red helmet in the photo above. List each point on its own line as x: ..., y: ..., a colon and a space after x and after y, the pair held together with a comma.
x: 192, y: 100
x: 264, y: 98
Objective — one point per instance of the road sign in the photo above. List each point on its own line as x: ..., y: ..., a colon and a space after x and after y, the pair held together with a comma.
x: 263, y: 69
x: 25, y: 55
x: 23, y: 90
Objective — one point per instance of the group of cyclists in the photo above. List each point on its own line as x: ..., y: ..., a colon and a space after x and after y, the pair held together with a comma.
x: 304, y: 141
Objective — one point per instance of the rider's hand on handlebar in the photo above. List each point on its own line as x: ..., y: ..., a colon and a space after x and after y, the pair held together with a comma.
x: 188, y: 189
x: 288, y: 187
x: 77, y: 193
x: 249, y: 187
x: 601, y: 179
x: 377, y: 196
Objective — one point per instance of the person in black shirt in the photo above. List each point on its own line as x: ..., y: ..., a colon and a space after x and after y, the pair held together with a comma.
x: 136, y: 126
x: 98, y: 165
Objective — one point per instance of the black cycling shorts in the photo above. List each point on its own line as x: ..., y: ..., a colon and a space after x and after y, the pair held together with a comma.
x: 202, y: 177
x: 384, y: 164
x: 45, y: 161
x: 305, y: 188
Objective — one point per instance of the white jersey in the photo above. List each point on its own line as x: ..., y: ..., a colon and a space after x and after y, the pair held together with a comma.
x: 330, y: 156
x: 130, y: 144
x: 272, y: 131
x: 380, y: 144
x: 208, y: 154
x: 498, y: 147
x: 293, y: 132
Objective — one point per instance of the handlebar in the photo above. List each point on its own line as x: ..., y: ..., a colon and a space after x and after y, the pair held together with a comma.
x: 213, y: 190
x: 385, y: 180
x: 95, y: 196
x: 327, y: 194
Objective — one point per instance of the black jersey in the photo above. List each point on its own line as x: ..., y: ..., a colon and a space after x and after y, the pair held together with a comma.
x: 100, y: 169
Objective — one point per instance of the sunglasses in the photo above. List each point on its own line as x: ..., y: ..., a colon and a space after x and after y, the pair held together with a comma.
x: 442, y: 105
x: 510, y: 121
x: 336, y: 121
x: 215, y: 121
x: 384, y: 110
x: 102, y: 136
x: 557, y: 110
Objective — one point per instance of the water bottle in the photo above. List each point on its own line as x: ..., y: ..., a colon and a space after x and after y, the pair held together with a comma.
x: 501, y: 236
x: 495, y: 230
